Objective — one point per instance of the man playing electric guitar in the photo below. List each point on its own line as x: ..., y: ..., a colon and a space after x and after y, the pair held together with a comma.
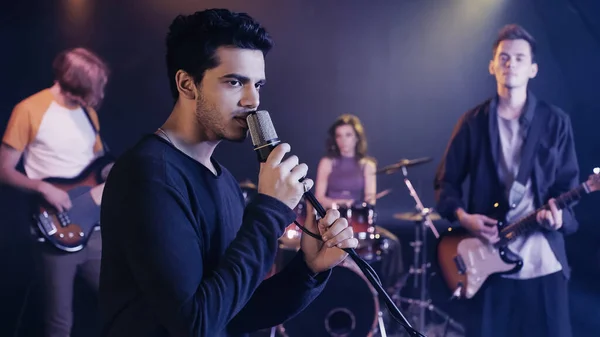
x: 56, y: 131
x: 490, y: 146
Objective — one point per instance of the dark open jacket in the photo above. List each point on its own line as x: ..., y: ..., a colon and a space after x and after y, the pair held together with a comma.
x: 473, y: 153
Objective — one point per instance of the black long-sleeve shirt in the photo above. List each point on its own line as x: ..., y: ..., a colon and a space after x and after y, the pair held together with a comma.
x: 472, y: 153
x: 183, y: 257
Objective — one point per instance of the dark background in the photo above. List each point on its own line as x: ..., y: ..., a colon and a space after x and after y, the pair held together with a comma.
x: 407, y: 68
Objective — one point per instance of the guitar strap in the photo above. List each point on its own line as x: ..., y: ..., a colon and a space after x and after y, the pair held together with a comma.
x: 96, y: 131
x: 34, y: 230
x: 517, y: 190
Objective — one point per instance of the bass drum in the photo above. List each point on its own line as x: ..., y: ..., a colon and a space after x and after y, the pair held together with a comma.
x: 347, y: 307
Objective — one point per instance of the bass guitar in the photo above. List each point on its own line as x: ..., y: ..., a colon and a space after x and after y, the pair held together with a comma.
x: 466, y: 262
x: 70, y: 231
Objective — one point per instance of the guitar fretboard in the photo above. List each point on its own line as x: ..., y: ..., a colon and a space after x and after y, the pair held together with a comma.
x: 529, y: 222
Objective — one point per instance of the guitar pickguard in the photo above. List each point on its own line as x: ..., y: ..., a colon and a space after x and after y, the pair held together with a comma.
x: 480, y: 260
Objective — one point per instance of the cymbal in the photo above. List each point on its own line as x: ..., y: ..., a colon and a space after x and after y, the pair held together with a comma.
x: 414, y: 216
x: 402, y: 163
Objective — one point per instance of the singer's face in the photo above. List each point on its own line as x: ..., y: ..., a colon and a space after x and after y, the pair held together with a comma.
x: 229, y: 92
x: 346, y: 139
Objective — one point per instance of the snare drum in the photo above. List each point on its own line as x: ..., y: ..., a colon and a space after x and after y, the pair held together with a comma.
x: 348, y: 307
x: 373, y: 249
x: 361, y: 217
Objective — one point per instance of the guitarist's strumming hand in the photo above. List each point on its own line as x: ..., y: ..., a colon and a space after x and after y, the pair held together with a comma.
x: 551, y: 219
x: 479, y: 225
x: 56, y: 197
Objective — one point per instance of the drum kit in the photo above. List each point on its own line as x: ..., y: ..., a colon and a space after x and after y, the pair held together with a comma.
x: 349, y: 305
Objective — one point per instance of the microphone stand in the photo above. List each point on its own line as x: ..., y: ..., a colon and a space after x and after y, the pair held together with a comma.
x: 367, y: 271
x: 420, y: 264
x: 420, y: 247
x: 419, y: 205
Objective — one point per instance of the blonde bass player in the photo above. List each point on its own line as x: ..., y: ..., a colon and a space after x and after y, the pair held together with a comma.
x: 56, y: 131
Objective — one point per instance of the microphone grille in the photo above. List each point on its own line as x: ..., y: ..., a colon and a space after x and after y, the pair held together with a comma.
x: 261, y: 128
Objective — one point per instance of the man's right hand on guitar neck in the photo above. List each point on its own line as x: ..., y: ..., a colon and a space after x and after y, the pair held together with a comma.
x: 479, y: 225
x: 56, y: 197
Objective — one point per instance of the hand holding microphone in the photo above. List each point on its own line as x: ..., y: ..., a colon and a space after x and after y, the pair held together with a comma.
x: 337, y: 236
x: 285, y: 181
x: 265, y: 140
x: 281, y: 179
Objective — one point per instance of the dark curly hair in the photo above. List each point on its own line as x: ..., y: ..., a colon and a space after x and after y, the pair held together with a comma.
x: 193, y: 39
x: 332, y: 149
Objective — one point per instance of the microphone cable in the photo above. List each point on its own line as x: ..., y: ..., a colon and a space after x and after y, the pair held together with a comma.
x: 370, y: 273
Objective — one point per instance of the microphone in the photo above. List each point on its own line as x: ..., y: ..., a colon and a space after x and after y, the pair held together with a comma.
x: 265, y: 139
x: 263, y: 134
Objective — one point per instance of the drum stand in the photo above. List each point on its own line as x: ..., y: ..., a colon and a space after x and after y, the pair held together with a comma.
x: 420, y: 264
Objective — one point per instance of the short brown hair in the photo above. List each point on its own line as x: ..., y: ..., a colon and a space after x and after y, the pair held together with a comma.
x: 515, y: 32
x: 81, y: 73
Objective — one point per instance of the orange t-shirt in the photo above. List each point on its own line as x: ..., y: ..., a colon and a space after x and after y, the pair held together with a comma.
x: 56, y: 141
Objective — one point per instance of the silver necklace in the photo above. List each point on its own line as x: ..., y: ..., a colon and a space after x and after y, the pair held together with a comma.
x: 170, y: 141
x: 166, y: 135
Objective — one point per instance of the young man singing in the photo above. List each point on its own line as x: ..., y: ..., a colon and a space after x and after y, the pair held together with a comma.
x: 182, y: 256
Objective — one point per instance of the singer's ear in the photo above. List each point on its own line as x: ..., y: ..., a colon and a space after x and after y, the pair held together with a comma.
x: 185, y: 85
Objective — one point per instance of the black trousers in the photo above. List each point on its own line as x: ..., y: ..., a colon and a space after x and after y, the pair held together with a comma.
x: 58, y: 270
x: 537, y: 307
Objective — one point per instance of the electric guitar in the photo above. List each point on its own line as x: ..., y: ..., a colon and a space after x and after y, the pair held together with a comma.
x: 70, y: 231
x: 466, y: 262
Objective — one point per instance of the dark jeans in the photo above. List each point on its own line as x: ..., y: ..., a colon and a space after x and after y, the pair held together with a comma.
x: 537, y: 307
x: 58, y: 275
